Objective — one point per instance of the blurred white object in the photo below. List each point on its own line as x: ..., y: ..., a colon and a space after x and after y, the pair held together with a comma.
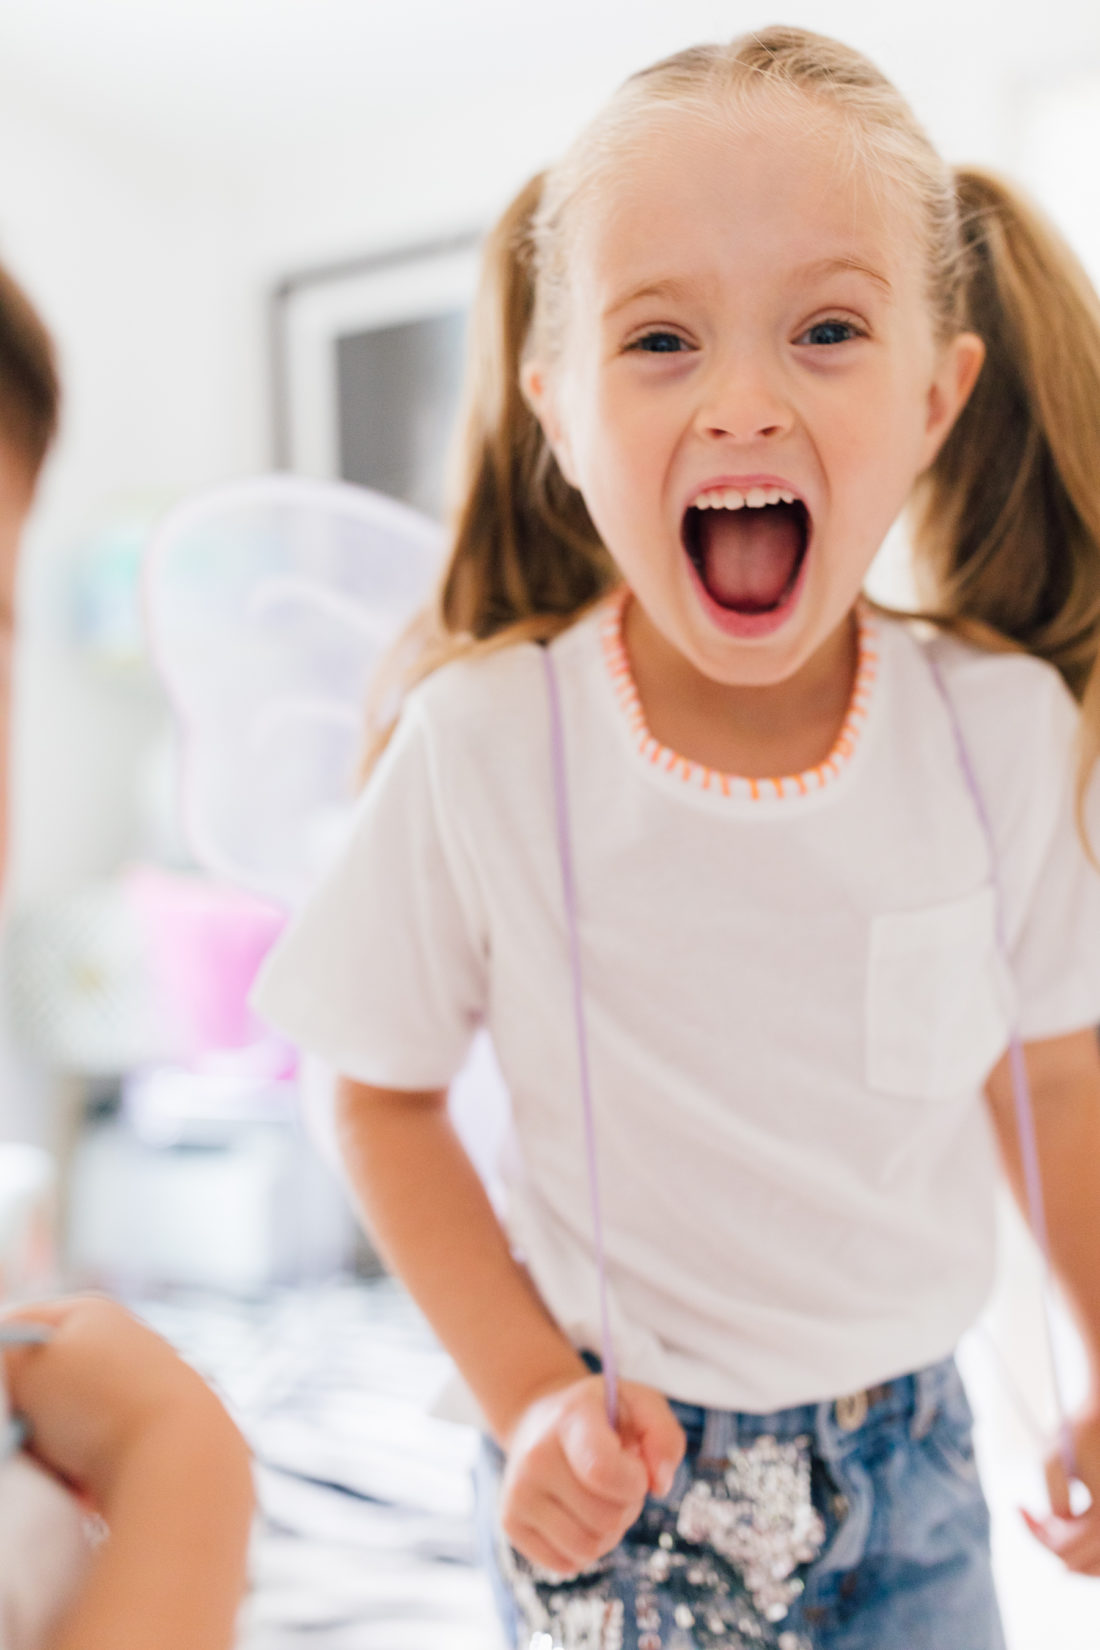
x: 172, y: 1106
x: 28, y: 1197
x: 269, y: 603
x: 44, y: 1552
x: 81, y: 991
x: 201, y: 1181
x: 240, y: 1215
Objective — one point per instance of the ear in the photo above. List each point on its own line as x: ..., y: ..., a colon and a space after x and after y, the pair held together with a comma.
x: 539, y: 389
x: 956, y: 374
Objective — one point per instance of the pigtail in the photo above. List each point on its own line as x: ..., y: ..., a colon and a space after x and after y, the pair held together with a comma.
x: 1007, y: 520
x: 525, y: 558
x: 524, y: 544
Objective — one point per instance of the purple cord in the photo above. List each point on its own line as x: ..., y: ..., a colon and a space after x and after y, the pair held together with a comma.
x: 1021, y: 1086
x: 569, y: 891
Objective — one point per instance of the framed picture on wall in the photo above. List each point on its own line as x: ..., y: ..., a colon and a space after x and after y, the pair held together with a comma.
x: 367, y: 360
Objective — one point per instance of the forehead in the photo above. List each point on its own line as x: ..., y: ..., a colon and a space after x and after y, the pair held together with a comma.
x: 759, y: 198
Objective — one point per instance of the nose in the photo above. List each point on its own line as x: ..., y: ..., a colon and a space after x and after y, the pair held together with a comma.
x: 742, y: 400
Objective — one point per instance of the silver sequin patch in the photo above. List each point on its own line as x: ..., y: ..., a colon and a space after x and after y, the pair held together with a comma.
x: 712, y: 1572
x: 570, y: 1619
x: 760, y: 1515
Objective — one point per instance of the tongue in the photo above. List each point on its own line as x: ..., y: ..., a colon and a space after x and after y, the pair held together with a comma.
x: 749, y: 556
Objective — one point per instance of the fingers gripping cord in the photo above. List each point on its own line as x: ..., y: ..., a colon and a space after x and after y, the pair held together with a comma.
x: 569, y: 893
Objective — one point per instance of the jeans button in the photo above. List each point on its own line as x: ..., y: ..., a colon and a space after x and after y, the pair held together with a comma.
x: 851, y: 1412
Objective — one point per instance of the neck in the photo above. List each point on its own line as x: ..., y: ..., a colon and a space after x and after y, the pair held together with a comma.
x: 787, y: 727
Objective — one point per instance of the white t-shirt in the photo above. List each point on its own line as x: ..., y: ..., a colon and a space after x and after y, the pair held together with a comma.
x: 793, y: 995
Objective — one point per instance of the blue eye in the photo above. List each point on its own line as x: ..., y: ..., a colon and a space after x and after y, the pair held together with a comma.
x: 840, y: 332
x: 658, y: 343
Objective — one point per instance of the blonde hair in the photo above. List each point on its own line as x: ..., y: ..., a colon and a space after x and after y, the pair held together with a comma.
x: 1005, y: 523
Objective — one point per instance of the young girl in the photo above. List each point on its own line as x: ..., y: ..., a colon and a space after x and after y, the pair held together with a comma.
x: 748, y: 318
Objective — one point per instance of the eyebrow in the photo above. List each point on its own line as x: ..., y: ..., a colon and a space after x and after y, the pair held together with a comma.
x: 847, y: 264
x: 674, y: 288
x: 671, y: 288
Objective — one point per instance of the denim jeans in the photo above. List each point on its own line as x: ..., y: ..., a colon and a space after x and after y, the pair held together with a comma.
x: 855, y: 1525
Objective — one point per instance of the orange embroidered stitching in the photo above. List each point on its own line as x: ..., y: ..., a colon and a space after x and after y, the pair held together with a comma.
x: 626, y: 692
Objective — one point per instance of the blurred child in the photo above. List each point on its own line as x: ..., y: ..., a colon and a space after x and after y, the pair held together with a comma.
x: 117, y: 1423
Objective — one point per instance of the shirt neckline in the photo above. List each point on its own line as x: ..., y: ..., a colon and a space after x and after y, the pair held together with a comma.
x: 700, y: 777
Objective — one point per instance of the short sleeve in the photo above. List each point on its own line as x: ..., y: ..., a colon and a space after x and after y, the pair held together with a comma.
x: 1055, y: 938
x: 382, y: 973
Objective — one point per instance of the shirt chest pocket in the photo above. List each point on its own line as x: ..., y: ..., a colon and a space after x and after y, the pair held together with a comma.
x: 939, y: 998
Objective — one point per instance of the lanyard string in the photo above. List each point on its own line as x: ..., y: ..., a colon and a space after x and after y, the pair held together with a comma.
x: 1021, y: 1086
x: 569, y: 892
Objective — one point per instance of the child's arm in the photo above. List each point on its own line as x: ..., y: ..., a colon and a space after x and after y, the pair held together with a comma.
x: 1065, y: 1082
x: 120, y: 1417
x: 572, y: 1486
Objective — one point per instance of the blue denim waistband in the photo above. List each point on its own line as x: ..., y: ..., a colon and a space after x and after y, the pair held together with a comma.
x: 838, y: 1427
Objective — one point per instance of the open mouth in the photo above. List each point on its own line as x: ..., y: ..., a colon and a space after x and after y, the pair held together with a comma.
x: 748, y: 559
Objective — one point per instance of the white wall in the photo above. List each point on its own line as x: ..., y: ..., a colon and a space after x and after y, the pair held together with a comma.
x: 136, y: 266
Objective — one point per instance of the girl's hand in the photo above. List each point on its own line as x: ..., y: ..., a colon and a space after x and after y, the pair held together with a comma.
x: 1074, y: 1537
x: 572, y: 1486
x: 104, y: 1387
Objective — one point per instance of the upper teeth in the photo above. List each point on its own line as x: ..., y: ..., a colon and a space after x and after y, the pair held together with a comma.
x: 729, y: 498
